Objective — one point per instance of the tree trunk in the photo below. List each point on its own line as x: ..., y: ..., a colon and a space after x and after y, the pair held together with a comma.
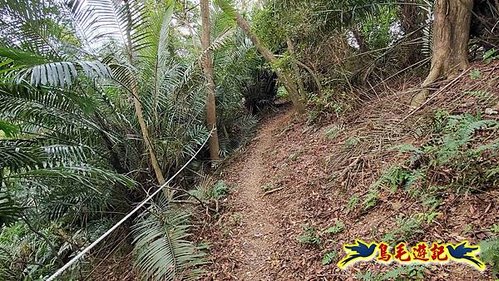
x: 145, y: 133
x: 138, y: 106
x: 211, y: 115
x: 451, y: 32
x: 294, y: 94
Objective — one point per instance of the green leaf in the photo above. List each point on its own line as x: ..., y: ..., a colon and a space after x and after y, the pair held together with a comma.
x: 329, y: 258
x: 21, y: 57
x: 161, y: 249
x: 8, y: 129
x: 337, y: 228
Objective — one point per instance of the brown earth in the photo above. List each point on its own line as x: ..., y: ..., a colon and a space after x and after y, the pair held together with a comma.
x: 315, y: 175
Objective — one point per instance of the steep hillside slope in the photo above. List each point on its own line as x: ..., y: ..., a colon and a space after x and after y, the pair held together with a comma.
x: 300, y: 192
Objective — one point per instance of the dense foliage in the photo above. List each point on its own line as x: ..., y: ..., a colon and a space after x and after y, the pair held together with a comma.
x: 71, y: 153
x: 94, y: 92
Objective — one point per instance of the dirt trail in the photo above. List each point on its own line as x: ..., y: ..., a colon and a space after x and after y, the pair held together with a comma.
x: 254, y: 248
x: 326, y: 173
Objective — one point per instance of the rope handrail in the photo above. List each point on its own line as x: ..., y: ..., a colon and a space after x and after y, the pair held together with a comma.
x: 89, y: 247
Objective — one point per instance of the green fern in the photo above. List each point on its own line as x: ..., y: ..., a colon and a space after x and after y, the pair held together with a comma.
x: 309, y: 236
x: 353, y: 202
x: 338, y: 227
x: 371, y: 199
x: 367, y: 276
x: 484, y: 96
x: 458, y: 132
x: 490, y: 253
x: 397, y: 176
x: 455, y: 149
x: 407, y: 228
x: 400, y: 273
x: 207, y: 190
x: 329, y: 258
x: 332, y: 132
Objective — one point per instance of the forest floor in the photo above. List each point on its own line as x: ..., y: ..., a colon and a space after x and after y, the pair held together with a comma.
x: 294, y: 183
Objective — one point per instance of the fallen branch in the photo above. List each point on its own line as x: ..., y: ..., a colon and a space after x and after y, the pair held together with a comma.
x: 350, y: 166
x: 316, y: 79
x: 451, y: 83
x: 273, y: 190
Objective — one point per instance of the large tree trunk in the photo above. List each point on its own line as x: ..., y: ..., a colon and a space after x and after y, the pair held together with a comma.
x: 211, y: 115
x: 451, y: 32
x: 297, y: 99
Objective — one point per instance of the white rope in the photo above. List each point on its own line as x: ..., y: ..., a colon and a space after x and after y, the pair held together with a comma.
x: 77, y: 257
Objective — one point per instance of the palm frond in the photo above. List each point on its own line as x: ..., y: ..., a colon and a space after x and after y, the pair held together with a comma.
x: 30, y: 68
x: 35, y: 26
x: 9, y: 210
x: 17, y: 155
x: 88, y: 176
x: 120, y: 21
x: 9, y: 130
x: 161, y: 246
